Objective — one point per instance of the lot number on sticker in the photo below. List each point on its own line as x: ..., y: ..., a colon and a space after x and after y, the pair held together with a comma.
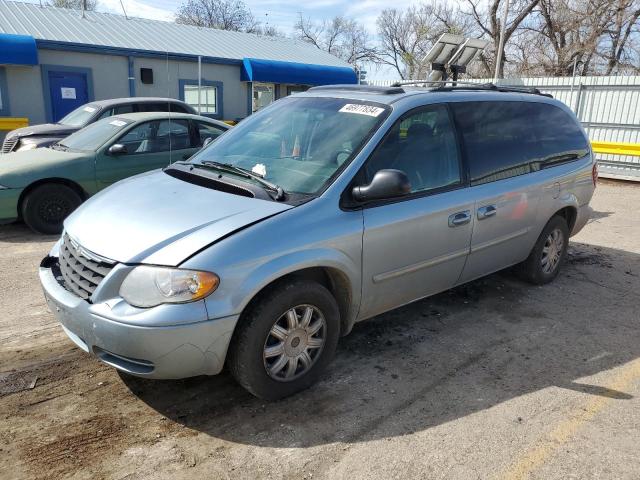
x: 117, y: 123
x: 362, y: 109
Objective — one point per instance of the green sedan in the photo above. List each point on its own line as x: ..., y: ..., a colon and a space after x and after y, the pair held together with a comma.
x: 43, y: 186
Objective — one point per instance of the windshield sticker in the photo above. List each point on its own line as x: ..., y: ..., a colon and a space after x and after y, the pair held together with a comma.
x: 260, y: 169
x: 89, y: 109
x: 117, y: 123
x: 362, y: 109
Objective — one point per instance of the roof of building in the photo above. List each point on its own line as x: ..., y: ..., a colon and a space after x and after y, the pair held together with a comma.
x: 50, y: 24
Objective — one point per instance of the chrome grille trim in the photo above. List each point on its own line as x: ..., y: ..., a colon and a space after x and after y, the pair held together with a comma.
x: 82, y: 271
x: 9, y: 144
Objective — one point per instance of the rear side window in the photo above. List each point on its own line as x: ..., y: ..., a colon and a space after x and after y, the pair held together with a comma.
x: 559, y: 137
x: 176, y: 107
x: 507, y: 139
x: 153, y: 107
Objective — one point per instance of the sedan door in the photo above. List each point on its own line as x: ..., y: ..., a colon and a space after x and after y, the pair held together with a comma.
x: 149, y: 145
x: 416, y: 245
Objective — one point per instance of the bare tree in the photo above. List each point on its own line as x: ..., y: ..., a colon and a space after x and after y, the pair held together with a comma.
x: 406, y: 36
x: 222, y: 14
x: 340, y: 36
x: 75, y: 4
x: 487, y: 24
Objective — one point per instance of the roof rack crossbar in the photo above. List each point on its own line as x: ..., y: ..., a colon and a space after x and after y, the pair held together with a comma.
x: 392, y: 90
x: 450, y: 85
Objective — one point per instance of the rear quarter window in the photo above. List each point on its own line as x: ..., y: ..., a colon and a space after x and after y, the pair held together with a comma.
x: 507, y: 139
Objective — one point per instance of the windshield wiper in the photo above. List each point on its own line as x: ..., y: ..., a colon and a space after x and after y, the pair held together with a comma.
x: 243, y: 172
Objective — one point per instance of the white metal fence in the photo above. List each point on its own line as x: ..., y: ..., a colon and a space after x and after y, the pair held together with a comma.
x: 608, y: 107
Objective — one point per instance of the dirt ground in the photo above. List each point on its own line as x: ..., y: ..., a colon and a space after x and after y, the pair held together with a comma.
x: 495, y: 379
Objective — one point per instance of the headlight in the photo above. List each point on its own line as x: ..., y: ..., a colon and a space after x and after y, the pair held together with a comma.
x: 2, y: 187
x: 26, y: 146
x: 147, y: 286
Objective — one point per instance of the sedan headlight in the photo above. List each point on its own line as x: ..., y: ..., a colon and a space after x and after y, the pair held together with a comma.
x: 147, y: 286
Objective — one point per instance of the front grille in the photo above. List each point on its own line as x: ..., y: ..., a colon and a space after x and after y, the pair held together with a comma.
x: 81, y: 271
x: 9, y: 144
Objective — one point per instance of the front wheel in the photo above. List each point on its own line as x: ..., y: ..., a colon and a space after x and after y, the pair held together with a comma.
x: 285, y: 340
x: 46, y: 206
x: 543, y: 263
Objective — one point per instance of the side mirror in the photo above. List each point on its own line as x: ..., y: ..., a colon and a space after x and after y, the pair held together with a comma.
x: 207, y: 141
x: 385, y: 184
x: 117, y: 149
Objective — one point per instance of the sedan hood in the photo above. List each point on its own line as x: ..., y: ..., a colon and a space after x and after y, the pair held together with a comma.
x: 158, y: 219
x: 45, y: 129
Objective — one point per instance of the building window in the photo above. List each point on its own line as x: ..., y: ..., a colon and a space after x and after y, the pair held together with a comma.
x: 210, y: 96
x: 207, y: 98
x: 263, y: 95
x: 291, y: 89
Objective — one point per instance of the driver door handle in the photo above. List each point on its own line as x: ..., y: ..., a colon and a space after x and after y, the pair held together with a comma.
x: 460, y: 218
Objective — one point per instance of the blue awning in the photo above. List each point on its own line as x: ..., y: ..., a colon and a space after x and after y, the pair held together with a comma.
x: 255, y: 70
x: 18, y: 50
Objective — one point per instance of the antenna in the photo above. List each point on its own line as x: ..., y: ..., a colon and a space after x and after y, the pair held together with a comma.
x: 451, y: 54
x: 124, y: 11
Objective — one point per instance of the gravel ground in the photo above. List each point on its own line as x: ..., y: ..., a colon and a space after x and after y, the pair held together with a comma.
x: 494, y: 379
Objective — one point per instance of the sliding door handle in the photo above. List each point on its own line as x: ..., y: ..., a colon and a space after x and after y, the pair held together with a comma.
x: 460, y: 218
x: 487, y: 211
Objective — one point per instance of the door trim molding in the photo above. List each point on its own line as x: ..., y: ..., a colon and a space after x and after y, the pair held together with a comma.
x: 46, y: 90
x: 414, y: 267
x: 499, y: 240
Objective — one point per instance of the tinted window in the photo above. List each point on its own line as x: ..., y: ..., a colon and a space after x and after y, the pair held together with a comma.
x: 499, y: 138
x: 559, y: 137
x: 507, y: 139
x: 206, y: 130
x: 153, y: 107
x: 423, y: 145
x: 106, y: 113
x: 176, y: 107
x: 157, y: 136
x: 120, y: 109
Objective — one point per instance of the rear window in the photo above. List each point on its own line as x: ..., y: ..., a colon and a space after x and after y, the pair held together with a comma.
x: 507, y: 139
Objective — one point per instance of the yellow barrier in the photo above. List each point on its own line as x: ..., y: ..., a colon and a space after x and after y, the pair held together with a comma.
x: 11, y: 123
x: 616, y: 148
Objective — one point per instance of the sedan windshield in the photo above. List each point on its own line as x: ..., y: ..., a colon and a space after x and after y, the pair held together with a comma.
x: 298, y: 143
x: 95, y: 135
x: 80, y: 116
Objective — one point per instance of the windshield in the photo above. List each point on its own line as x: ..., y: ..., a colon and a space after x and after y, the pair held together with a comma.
x: 95, y: 135
x: 80, y: 116
x: 297, y: 143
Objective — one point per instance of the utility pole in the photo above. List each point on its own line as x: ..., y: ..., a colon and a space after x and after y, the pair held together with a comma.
x: 503, y: 28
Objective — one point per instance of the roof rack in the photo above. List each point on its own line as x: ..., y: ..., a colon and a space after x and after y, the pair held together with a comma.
x: 450, y: 85
x: 393, y: 90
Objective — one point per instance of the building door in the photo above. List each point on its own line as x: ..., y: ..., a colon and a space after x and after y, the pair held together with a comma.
x: 68, y: 90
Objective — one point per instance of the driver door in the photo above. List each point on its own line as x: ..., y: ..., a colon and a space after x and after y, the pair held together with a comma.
x: 149, y: 145
x: 416, y: 245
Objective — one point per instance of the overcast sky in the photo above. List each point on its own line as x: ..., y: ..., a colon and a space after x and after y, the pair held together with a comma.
x: 282, y: 14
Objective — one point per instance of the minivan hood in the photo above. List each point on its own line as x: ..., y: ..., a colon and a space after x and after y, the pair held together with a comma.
x: 158, y: 219
x: 53, y: 129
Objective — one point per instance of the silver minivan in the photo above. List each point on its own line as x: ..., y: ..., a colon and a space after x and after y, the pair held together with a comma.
x: 324, y: 209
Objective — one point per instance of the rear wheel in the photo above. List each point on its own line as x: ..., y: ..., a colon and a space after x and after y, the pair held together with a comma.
x: 46, y: 206
x: 285, y: 341
x: 543, y: 263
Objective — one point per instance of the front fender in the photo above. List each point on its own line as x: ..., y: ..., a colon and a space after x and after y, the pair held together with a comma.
x: 235, y: 294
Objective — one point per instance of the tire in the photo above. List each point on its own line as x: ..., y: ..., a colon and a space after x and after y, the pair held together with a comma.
x: 544, y: 262
x: 263, y: 362
x: 46, y: 206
